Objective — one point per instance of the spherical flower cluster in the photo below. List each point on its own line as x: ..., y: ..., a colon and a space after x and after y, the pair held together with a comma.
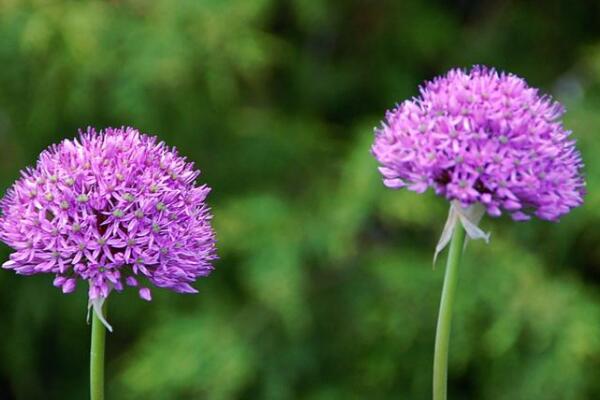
x: 115, y: 208
x: 483, y: 137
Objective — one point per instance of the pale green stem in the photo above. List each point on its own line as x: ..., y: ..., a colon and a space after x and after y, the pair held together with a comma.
x: 97, y: 357
x: 442, y: 337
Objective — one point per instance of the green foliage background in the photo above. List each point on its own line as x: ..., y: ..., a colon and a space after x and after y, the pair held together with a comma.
x: 325, y: 288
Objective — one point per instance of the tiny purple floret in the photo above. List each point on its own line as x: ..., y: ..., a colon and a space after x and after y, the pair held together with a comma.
x: 109, y: 208
x: 484, y: 137
x: 145, y: 294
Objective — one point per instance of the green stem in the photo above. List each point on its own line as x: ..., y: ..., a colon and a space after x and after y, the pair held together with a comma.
x: 97, y: 357
x: 442, y: 337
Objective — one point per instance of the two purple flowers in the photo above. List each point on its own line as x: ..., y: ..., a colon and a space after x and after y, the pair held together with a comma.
x: 118, y: 208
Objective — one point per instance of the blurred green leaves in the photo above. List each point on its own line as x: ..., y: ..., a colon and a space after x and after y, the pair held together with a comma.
x: 200, y: 361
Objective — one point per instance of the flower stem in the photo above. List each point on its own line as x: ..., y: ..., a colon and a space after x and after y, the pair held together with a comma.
x: 442, y: 337
x: 97, y: 357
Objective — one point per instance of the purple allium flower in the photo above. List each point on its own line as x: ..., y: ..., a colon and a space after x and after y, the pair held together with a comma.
x: 483, y: 137
x: 112, y: 208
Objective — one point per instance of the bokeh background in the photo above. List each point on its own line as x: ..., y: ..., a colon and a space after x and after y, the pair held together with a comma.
x: 324, y: 289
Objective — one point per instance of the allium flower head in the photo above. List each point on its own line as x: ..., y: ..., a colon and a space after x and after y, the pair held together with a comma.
x: 115, y: 208
x: 483, y: 137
